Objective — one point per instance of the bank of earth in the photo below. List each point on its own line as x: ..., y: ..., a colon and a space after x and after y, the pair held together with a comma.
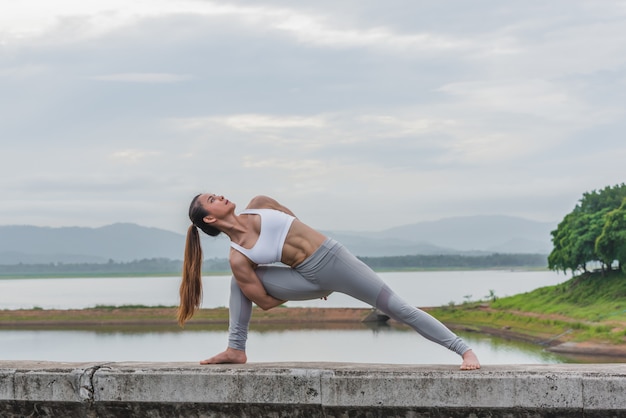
x: 556, y: 332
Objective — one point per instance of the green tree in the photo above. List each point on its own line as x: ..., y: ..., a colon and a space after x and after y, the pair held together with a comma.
x: 575, y: 238
x: 611, y: 244
x: 562, y: 257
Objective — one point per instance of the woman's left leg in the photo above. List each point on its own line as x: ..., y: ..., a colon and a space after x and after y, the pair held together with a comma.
x: 334, y: 267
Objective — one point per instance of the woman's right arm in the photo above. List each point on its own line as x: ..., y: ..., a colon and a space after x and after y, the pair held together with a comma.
x: 249, y: 282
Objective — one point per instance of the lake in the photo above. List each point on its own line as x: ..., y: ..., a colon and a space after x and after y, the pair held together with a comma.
x: 419, y: 288
x: 364, y: 344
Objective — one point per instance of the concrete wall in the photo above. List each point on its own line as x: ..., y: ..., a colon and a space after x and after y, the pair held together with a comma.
x: 41, y: 389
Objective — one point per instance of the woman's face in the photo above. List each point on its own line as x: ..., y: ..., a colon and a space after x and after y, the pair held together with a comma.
x: 216, y: 205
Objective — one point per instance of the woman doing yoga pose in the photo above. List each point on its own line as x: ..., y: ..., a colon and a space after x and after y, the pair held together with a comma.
x: 266, y: 232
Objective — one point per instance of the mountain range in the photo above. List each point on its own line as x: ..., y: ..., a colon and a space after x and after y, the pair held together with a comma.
x: 124, y: 242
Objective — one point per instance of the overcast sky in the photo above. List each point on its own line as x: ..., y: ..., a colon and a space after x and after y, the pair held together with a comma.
x: 357, y: 115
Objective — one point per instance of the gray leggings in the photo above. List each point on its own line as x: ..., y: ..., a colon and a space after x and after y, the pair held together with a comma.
x: 332, y: 268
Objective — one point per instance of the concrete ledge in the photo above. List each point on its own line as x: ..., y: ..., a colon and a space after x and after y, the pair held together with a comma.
x: 309, y: 390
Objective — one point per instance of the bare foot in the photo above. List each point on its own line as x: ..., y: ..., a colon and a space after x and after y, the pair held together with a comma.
x: 470, y: 361
x: 230, y: 355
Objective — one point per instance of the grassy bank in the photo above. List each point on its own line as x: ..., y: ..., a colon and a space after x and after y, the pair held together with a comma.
x: 589, y: 308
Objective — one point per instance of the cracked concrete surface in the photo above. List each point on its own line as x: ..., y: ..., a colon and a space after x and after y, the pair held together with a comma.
x: 308, y: 389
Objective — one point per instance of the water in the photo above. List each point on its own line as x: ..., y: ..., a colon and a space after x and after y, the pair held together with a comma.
x: 362, y: 344
x: 390, y: 346
x: 418, y: 288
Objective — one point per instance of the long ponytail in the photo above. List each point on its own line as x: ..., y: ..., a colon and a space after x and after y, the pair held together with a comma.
x: 191, y: 284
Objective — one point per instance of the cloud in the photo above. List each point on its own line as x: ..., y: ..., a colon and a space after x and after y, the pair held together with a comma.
x: 254, y: 122
x: 427, y: 108
x: 313, y: 30
x: 142, y: 78
x: 525, y: 96
x: 32, y: 18
x: 23, y: 71
x: 133, y: 155
x: 289, y: 165
x: 85, y: 20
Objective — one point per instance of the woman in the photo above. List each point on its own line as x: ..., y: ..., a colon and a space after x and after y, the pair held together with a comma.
x: 267, y: 232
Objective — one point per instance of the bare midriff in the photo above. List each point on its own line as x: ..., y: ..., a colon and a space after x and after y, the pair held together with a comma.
x: 301, y: 242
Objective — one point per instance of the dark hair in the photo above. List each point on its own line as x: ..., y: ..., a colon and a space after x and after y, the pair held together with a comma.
x: 191, y: 284
x: 197, y: 212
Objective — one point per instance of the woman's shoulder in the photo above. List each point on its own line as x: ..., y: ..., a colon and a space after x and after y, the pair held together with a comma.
x: 266, y: 202
x: 262, y: 202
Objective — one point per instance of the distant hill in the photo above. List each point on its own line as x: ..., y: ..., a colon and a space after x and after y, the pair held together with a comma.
x: 375, y: 245
x: 120, y: 242
x: 505, y: 234
x: 127, y: 242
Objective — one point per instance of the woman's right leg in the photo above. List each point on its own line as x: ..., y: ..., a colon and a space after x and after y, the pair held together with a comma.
x: 239, y: 312
x: 280, y: 282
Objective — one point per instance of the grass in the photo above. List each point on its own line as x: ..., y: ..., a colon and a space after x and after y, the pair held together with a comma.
x: 590, y: 307
x: 589, y: 297
x: 164, y: 316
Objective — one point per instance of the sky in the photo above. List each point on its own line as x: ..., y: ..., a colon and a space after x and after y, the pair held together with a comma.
x: 357, y: 115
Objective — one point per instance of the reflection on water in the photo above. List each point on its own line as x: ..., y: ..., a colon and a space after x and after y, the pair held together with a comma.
x: 377, y: 345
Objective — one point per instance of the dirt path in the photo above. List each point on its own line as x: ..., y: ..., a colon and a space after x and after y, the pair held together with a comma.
x: 167, y: 316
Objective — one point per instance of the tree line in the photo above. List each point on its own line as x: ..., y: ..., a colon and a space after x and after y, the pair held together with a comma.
x: 221, y: 265
x: 593, y: 233
x: 144, y: 266
x: 496, y: 260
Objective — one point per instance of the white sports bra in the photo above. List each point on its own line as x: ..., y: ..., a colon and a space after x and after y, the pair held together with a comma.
x: 274, y: 228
